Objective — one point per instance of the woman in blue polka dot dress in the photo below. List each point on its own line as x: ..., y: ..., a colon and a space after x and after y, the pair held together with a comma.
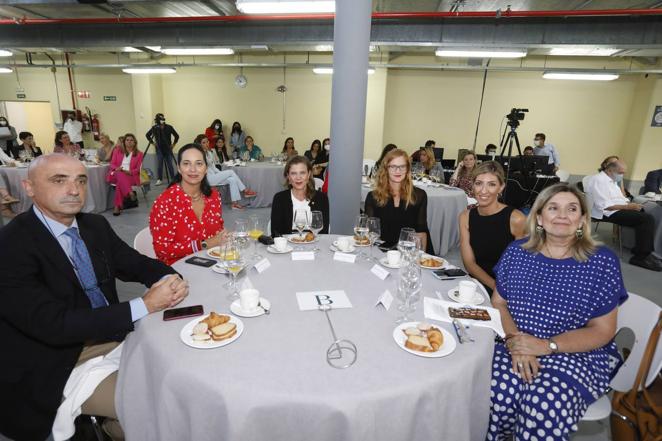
x: 558, y: 293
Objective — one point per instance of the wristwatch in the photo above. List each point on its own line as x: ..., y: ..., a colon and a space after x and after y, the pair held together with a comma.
x: 204, y: 244
x: 553, y: 346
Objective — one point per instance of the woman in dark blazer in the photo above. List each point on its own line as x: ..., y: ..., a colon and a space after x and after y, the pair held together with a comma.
x: 300, y: 194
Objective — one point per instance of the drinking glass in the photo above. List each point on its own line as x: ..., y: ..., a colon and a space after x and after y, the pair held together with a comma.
x: 241, y: 232
x: 361, y: 231
x: 404, y: 241
x: 301, y: 221
x: 316, y: 224
x: 233, y: 262
x: 256, y: 229
x: 409, y: 288
x: 374, y: 233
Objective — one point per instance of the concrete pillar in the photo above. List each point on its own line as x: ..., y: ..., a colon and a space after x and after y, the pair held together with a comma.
x: 351, y: 37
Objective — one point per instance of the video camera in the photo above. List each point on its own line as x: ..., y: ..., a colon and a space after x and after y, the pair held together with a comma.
x: 515, y: 116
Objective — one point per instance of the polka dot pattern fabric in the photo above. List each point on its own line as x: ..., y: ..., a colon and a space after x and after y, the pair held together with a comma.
x: 547, y: 297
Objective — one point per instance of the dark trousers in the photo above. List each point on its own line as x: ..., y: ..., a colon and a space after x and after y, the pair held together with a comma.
x: 644, y: 229
x: 165, y: 155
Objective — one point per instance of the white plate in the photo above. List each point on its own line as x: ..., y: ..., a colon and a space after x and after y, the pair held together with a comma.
x: 185, y: 334
x: 384, y: 261
x: 290, y: 236
x: 235, y: 307
x: 428, y: 256
x: 217, y: 268
x: 272, y: 249
x: 214, y: 252
x: 446, y: 348
x: 334, y: 247
x: 454, y: 293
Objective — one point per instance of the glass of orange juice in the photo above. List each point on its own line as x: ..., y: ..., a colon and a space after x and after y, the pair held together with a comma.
x: 255, y: 230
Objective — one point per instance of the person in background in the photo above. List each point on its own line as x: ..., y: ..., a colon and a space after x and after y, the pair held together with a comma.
x: 8, y: 141
x: 430, y: 143
x: 487, y: 229
x: 426, y: 159
x: 105, y: 151
x: 528, y: 151
x: 75, y: 129
x: 491, y: 150
x: 28, y: 148
x: 164, y: 137
x: 237, y: 137
x: 603, y: 165
x: 299, y: 195
x: 462, y: 176
x: 124, y: 172
x: 653, y: 182
x: 221, y: 150
x: 214, y: 131
x: 609, y: 205
x: 254, y: 151
x: 543, y: 148
x: 318, y: 158
x: 326, y: 145
x: 387, y: 148
x: 187, y: 217
x: 64, y: 145
x: 288, y: 148
x: 558, y: 293
x: 216, y: 177
x: 396, y: 202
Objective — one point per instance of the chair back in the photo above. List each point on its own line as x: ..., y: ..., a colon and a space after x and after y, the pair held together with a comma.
x: 563, y: 175
x: 143, y: 243
x: 640, y: 315
x: 318, y: 183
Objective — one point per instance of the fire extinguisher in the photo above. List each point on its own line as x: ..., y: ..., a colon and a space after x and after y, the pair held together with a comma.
x: 96, y: 127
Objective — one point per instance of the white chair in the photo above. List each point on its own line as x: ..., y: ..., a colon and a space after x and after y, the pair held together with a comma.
x: 563, y: 175
x: 639, y: 315
x: 318, y: 183
x: 143, y: 243
x: 368, y: 165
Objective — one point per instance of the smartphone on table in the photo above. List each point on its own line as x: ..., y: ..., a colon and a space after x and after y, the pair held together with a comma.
x: 449, y: 273
x: 183, y: 312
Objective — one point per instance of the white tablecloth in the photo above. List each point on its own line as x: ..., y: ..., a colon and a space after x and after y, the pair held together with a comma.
x: 273, y: 382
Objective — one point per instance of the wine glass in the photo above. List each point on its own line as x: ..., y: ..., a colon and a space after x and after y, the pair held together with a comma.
x: 301, y: 222
x: 374, y: 233
x: 233, y: 262
x: 241, y: 232
x: 409, y: 287
x: 404, y: 241
x: 256, y: 230
x: 316, y: 224
x: 361, y: 230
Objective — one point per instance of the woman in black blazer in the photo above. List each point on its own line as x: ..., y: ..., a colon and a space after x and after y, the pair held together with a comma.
x: 300, y: 194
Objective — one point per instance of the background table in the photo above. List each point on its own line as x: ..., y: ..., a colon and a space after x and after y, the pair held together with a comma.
x: 654, y: 208
x: 265, y: 178
x: 273, y: 382
x: 444, y: 208
x: 97, y: 188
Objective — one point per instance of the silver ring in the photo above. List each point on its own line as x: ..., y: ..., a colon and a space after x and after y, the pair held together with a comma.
x: 520, y: 365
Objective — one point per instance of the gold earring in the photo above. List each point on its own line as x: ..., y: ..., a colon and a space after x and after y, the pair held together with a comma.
x: 539, y: 229
x: 579, y: 233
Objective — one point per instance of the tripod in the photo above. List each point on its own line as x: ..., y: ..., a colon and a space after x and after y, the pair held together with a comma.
x: 507, y: 139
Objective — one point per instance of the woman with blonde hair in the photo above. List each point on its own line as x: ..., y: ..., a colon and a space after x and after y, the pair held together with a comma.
x: 426, y: 159
x: 462, y: 177
x: 105, y: 151
x: 396, y: 202
x: 558, y: 292
x: 124, y: 172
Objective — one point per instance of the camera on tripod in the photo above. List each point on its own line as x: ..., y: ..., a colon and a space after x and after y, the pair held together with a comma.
x: 515, y: 116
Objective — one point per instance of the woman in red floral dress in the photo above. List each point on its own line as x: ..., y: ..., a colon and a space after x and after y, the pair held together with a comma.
x: 187, y: 216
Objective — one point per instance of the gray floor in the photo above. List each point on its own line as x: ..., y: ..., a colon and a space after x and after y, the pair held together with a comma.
x: 637, y: 280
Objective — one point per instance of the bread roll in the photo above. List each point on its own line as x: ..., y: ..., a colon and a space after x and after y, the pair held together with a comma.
x: 436, y: 338
x: 412, y: 331
x: 216, y: 319
x: 418, y: 343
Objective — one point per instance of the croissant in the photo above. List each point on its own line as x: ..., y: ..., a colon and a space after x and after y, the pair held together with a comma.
x: 436, y: 338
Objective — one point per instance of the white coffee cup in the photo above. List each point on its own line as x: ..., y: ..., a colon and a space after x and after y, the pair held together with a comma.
x: 393, y: 257
x: 248, y: 299
x: 344, y: 243
x: 467, y: 291
x: 280, y: 243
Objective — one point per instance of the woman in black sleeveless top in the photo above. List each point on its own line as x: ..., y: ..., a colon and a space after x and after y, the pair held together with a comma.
x: 487, y: 229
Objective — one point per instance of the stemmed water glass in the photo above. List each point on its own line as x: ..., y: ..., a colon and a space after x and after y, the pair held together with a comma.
x: 410, y: 283
x: 361, y: 230
x: 233, y: 262
x: 255, y: 230
x: 241, y: 232
x: 374, y: 233
x: 301, y: 221
x: 316, y: 224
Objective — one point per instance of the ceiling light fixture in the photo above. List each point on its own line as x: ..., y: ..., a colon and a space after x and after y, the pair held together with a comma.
x: 329, y: 70
x: 480, y: 53
x: 198, y: 51
x: 130, y: 49
x: 583, y: 51
x: 286, y: 6
x: 5, y: 53
x: 5, y: 70
x: 149, y: 70
x: 586, y: 76
x: 324, y: 48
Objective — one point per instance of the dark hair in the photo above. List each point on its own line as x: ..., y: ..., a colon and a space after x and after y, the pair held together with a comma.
x: 318, y: 143
x: 4, y: 118
x: 213, y: 123
x: 285, y: 143
x: 247, y: 138
x: 527, y: 148
x: 310, y: 185
x: 489, y: 147
x: 325, y: 140
x: 58, y: 137
x: 540, y: 135
x: 205, y: 188
x: 157, y: 117
x: 237, y: 126
x: 430, y: 143
x: 387, y: 148
x: 198, y: 139
x: 24, y: 135
x: 223, y: 151
x: 135, y: 152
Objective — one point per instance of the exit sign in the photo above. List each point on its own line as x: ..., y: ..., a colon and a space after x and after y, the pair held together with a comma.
x: 20, y: 95
x: 110, y: 98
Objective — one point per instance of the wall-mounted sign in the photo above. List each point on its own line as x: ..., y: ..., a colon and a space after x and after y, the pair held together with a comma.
x: 657, y: 117
x: 83, y: 94
x: 20, y: 95
x: 110, y: 98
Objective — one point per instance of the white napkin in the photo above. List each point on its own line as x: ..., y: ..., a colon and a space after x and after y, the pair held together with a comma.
x: 436, y: 309
x: 82, y: 382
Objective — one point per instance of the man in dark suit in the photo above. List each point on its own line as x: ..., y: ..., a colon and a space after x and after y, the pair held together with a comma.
x: 58, y: 297
x: 653, y: 182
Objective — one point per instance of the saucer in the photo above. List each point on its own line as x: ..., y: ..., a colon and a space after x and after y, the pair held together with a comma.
x: 334, y: 247
x: 384, y: 262
x: 455, y: 292
x: 235, y: 307
x: 272, y: 249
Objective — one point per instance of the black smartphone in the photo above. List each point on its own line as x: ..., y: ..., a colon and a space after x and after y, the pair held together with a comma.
x: 451, y: 272
x: 266, y: 240
x: 201, y: 261
x: 186, y: 311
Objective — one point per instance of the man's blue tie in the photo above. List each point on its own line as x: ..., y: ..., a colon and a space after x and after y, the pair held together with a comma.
x: 83, y: 265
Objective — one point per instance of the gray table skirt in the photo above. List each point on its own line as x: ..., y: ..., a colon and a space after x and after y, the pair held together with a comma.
x: 97, y: 188
x: 444, y: 208
x: 265, y: 178
x: 273, y: 382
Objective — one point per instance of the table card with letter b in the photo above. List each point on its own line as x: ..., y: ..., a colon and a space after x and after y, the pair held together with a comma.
x: 312, y: 300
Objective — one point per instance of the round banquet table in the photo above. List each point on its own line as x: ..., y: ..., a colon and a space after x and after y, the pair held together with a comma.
x: 265, y: 178
x: 274, y: 383
x: 444, y: 208
x: 97, y: 188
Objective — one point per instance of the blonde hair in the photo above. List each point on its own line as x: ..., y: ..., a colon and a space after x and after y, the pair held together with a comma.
x: 382, y: 191
x: 583, y: 247
x: 430, y: 162
x: 491, y: 167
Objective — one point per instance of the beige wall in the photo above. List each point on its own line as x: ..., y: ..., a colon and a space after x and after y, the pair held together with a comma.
x: 642, y: 147
x: 33, y: 117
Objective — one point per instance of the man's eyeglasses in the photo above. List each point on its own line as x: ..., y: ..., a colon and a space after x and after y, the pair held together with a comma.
x: 397, y: 167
